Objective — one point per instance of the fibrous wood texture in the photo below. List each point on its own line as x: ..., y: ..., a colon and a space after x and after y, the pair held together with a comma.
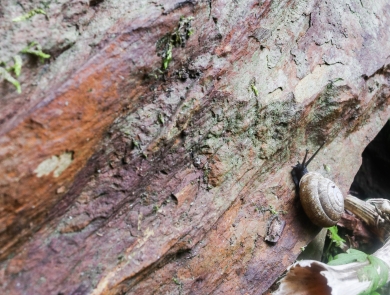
x: 120, y: 178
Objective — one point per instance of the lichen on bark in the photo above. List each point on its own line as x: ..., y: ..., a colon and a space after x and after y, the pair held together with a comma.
x: 167, y: 170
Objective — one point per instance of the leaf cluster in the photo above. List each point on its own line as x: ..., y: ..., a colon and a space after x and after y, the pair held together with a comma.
x: 376, y: 271
x: 8, y: 77
x: 33, y: 48
x: 335, y: 242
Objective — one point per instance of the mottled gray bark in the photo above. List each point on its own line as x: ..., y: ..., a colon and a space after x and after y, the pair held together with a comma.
x: 141, y: 158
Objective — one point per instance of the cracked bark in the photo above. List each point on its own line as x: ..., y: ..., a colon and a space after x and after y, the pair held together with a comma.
x: 168, y: 169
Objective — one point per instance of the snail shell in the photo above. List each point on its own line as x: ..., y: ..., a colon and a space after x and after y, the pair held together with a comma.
x: 321, y: 199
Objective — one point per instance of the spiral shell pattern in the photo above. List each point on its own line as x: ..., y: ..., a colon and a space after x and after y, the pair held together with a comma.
x: 321, y: 199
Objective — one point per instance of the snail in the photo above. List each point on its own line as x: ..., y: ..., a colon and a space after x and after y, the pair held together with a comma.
x: 321, y: 199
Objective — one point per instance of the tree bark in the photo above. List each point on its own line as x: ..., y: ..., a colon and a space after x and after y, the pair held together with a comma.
x: 123, y: 173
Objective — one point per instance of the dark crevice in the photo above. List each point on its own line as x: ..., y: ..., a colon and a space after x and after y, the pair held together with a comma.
x: 93, y: 3
x: 372, y: 179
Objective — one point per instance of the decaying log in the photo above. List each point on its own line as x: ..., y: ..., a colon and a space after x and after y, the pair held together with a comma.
x: 124, y: 173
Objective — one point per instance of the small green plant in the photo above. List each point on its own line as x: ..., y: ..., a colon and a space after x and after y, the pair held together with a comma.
x: 335, y: 242
x: 254, y: 89
x: 5, y: 72
x: 29, y: 15
x: 155, y: 208
x: 161, y: 118
x: 182, y: 32
x: 334, y: 236
x: 167, y: 56
x: 377, y: 271
x: 270, y: 209
x: 35, y: 48
x: 17, y: 67
x: 7, y: 76
x: 327, y: 168
x: 176, y: 281
x: 177, y: 38
x: 136, y: 144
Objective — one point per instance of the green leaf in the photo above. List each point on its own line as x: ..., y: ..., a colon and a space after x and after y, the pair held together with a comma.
x: 17, y: 65
x: 377, y: 272
x: 7, y: 76
x: 352, y: 255
x: 161, y: 118
x: 168, y: 57
x: 35, y: 49
x: 254, y: 89
x: 334, y: 236
x: 29, y: 15
x: 176, y: 281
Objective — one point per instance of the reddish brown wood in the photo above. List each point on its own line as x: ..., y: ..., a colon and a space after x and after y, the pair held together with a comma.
x: 170, y: 171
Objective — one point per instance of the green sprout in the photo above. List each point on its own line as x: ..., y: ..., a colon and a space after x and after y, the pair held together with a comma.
x: 254, y: 89
x: 17, y: 67
x: 377, y: 271
x: 167, y: 57
x: 29, y: 15
x: 326, y: 167
x: 177, y: 38
x: 136, y: 144
x: 335, y: 242
x: 5, y: 73
x: 334, y: 236
x: 272, y: 210
x: 7, y: 76
x: 176, y: 281
x: 161, y: 118
x: 35, y: 49
x: 183, y: 31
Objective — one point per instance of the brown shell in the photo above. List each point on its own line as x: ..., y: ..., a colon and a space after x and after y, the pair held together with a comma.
x: 321, y: 199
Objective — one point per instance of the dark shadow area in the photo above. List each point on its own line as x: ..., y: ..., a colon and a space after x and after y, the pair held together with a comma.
x: 373, y: 178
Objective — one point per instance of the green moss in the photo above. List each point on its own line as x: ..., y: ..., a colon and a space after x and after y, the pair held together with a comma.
x: 136, y: 144
x: 161, y: 118
x: 254, y: 89
x: 29, y: 15
x: 275, y: 124
x: 17, y: 67
x: 177, y: 38
x: 167, y: 57
x: 35, y: 48
x: 7, y: 76
x: 176, y: 281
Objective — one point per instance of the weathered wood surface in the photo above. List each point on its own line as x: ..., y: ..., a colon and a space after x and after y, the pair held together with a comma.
x: 150, y: 182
